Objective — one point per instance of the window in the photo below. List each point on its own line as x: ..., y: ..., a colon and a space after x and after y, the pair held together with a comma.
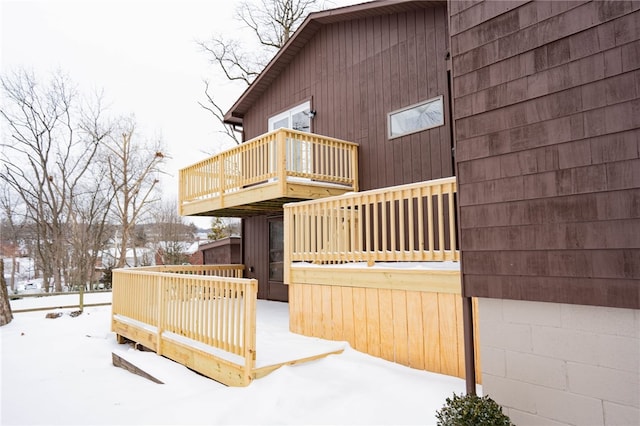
x: 296, y: 118
x: 415, y: 118
x: 298, y: 151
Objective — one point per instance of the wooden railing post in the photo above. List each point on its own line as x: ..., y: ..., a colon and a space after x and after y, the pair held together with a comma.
x: 452, y: 221
x: 288, y: 242
x: 221, y: 181
x: 282, y: 159
x: 249, y: 340
x: 181, y: 191
x: 354, y: 168
x: 161, y: 314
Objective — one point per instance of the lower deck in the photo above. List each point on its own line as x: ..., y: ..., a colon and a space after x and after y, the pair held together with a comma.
x: 207, y: 323
x: 405, y: 312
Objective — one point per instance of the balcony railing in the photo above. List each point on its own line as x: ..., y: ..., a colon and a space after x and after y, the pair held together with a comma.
x: 414, y: 223
x: 277, y: 158
x: 201, y: 316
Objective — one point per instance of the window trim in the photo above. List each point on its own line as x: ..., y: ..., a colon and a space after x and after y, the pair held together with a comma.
x: 288, y: 113
x: 422, y: 129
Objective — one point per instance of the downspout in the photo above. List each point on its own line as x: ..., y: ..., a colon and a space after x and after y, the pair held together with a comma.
x: 467, y: 302
x: 469, y: 350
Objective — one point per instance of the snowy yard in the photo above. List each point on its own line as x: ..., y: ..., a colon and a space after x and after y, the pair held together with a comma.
x: 59, y: 371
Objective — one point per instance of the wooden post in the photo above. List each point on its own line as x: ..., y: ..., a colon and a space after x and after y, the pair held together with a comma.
x: 282, y: 160
x: 221, y: 181
x: 354, y: 168
x: 181, y: 191
x: 249, y: 340
x: 288, y: 242
x: 161, y: 308
x: 81, y: 301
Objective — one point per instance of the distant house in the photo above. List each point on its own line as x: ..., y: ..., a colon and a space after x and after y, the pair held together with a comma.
x: 140, y: 256
x: 224, y: 251
x: 177, y: 252
x: 534, y: 107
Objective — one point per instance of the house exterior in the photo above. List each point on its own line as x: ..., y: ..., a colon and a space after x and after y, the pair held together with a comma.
x: 356, y: 105
x: 541, y: 101
x: 547, y: 128
x: 352, y: 66
x: 139, y: 256
x: 220, y: 252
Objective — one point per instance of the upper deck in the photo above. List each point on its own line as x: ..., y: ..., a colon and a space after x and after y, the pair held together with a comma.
x: 259, y: 176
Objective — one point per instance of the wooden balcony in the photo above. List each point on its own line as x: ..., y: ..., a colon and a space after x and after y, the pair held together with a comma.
x: 261, y: 175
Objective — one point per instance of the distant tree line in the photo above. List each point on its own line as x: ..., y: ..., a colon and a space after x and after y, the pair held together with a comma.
x: 74, y: 180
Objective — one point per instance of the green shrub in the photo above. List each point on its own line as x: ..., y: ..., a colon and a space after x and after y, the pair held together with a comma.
x: 471, y: 410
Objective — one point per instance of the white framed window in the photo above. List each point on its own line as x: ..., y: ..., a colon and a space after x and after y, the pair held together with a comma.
x: 296, y: 118
x: 416, y: 118
x: 299, y: 152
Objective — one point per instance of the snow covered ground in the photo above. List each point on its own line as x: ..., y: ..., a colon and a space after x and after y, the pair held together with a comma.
x: 60, y: 372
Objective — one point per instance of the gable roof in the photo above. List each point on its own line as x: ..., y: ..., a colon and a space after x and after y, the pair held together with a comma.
x: 305, y: 32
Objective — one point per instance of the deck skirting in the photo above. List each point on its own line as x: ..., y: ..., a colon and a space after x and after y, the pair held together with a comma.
x: 409, y: 316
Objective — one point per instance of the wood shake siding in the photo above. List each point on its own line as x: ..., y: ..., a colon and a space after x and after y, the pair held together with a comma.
x: 547, y: 129
x: 355, y: 72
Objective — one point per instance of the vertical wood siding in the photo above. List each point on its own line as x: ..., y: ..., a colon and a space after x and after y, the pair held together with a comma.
x: 419, y: 329
x: 547, y: 110
x: 355, y: 73
x: 256, y: 252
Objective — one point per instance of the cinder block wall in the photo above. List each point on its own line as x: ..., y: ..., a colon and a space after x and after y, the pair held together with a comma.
x: 553, y: 364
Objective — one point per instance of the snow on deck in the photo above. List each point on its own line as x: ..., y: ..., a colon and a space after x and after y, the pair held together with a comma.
x: 427, y: 266
x: 275, y: 344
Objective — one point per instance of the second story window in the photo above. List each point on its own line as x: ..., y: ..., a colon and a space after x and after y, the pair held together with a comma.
x: 296, y: 118
x: 416, y: 118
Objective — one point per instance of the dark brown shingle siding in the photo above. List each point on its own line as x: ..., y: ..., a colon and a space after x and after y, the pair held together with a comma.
x: 547, y: 108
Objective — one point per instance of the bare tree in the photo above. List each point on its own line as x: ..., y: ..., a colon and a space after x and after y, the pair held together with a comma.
x: 11, y: 228
x: 90, y: 229
x: 217, y: 112
x: 48, y: 154
x: 133, y: 168
x: 271, y: 23
x: 172, y: 234
x: 5, y: 307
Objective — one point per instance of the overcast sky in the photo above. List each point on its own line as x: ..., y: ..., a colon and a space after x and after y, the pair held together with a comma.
x: 142, y: 53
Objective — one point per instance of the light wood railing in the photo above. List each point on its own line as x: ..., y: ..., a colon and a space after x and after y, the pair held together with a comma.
x: 191, y: 314
x: 414, y: 222
x: 219, y: 270
x: 275, y: 156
